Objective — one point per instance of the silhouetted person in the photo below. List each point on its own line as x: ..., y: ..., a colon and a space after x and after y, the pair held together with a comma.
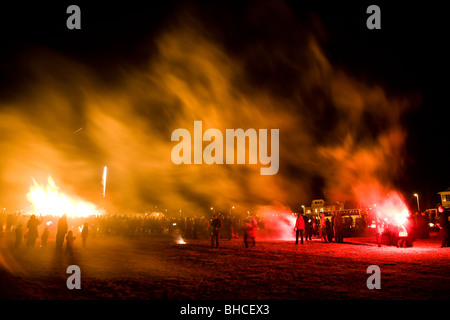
x: 19, y: 236
x: 443, y: 226
x: 32, y: 226
x: 422, y: 226
x: 216, y: 224
x: 329, y: 230
x: 308, y: 229
x: 392, y: 231
x: 44, y: 237
x: 338, y: 227
x: 402, y: 236
x: 380, y: 230
x: 227, y: 227
x: 323, y: 227
x: 61, y: 232
x: 84, y: 234
x: 299, y: 227
x: 69, y: 243
x: 250, y: 230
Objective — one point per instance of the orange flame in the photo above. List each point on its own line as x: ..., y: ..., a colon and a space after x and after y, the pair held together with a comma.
x: 49, y: 200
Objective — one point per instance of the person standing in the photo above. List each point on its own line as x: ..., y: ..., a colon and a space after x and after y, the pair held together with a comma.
x: 338, y: 227
x: 380, y: 230
x: 443, y: 226
x: 323, y: 227
x: 61, y: 232
x: 299, y: 227
x: 329, y: 230
x: 44, y: 237
x: 227, y: 227
x: 69, y: 243
x: 308, y: 229
x: 216, y: 224
x: 84, y: 234
x: 402, y: 236
x: 32, y: 226
x: 250, y: 230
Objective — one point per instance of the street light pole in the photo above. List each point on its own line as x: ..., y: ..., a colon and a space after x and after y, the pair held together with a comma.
x: 417, y: 196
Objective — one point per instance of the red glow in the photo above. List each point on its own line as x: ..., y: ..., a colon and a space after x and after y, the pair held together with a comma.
x: 278, y: 223
x: 391, y: 207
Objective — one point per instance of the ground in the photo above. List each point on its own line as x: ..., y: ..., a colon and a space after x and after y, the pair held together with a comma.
x: 159, y: 268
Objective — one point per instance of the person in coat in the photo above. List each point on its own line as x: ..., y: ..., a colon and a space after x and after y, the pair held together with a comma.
x: 323, y: 227
x: 443, y: 226
x: 216, y: 224
x: 380, y: 230
x: 308, y: 229
x: 61, y: 232
x: 250, y: 230
x: 84, y: 234
x: 44, y: 237
x: 32, y: 234
x: 69, y: 243
x: 338, y: 227
x: 299, y: 227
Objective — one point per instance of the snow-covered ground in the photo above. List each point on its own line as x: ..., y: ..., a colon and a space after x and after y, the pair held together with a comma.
x: 159, y: 268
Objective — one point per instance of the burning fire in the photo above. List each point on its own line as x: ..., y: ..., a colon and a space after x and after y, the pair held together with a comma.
x: 180, y: 240
x: 48, y: 200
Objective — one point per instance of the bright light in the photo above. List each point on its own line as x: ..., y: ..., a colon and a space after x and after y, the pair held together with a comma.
x: 393, y: 208
x: 105, y: 173
x: 180, y: 240
x: 48, y: 200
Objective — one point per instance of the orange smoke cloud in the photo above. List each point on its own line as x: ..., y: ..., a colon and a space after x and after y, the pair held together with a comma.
x: 333, y: 127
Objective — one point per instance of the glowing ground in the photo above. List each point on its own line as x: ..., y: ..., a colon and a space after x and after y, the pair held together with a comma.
x: 158, y: 268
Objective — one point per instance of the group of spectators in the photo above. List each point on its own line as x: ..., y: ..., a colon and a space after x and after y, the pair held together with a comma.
x: 220, y: 226
x: 329, y: 229
x: 127, y: 225
x: 416, y: 226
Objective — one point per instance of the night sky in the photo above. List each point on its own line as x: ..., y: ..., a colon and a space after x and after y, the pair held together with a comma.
x: 405, y: 58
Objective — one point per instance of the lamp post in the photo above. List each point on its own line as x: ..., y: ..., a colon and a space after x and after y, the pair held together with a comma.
x: 213, y: 210
x: 231, y: 209
x: 304, y: 209
x: 417, y: 196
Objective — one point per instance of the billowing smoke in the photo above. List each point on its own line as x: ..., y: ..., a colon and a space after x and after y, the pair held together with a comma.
x: 278, y: 222
x: 339, y: 136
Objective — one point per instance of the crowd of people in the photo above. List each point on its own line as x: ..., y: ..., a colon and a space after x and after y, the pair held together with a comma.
x: 27, y: 229
x: 220, y: 226
x: 416, y: 226
x: 327, y: 229
x: 63, y: 234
